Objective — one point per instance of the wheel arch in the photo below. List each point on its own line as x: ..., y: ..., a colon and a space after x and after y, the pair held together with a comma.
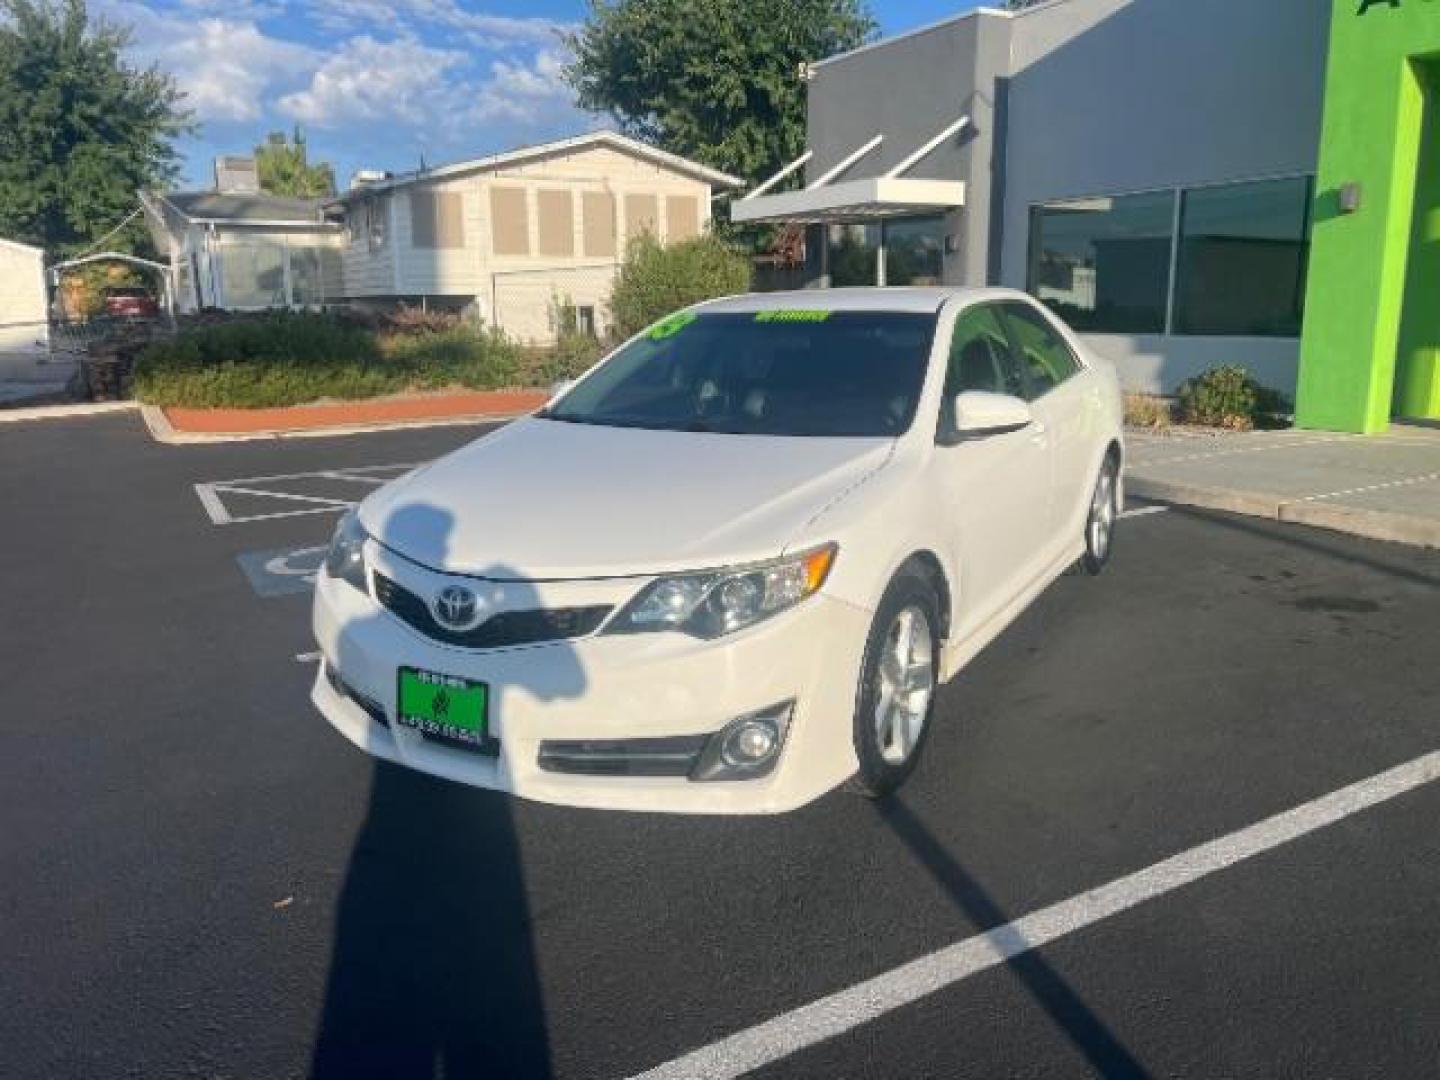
x: 927, y: 564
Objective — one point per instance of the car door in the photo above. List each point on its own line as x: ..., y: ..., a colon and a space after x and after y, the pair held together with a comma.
x: 995, y: 489
x: 1066, y: 401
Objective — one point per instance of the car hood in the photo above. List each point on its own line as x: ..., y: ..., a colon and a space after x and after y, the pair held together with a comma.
x: 543, y: 499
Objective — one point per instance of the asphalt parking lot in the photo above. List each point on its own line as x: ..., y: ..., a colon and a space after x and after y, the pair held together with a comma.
x: 1123, y: 855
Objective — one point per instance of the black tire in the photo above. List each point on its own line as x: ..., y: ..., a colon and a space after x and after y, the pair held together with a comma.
x: 880, y: 774
x: 1102, y: 517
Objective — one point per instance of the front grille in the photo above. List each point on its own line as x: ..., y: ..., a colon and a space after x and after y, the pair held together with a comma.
x: 674, y: 756
x: 502, y: 630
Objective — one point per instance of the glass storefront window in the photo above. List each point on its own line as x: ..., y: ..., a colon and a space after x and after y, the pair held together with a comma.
x: 1241, y: 266
x: 914, y: 250
x: 852, y: 254
x: 1103, y: 264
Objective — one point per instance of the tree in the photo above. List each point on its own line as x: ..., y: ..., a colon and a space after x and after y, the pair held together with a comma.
x: 718, y: 81
x: 284, y: 170
x: 81, y: 131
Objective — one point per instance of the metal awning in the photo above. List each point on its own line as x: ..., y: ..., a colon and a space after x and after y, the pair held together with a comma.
x: 871, y: 199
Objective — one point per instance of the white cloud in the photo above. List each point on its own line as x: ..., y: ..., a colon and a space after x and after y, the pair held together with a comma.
x: 371, y: 80
x: 250, y: 10
x: 225, y: 67
x: 418, y: 16
x: 544, y: 77
x: 378, y: 81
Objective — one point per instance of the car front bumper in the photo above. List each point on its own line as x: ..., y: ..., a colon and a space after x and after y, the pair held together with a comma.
x: 606, y: 687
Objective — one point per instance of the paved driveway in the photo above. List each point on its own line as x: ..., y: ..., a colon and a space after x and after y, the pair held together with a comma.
x: 1124, y: 853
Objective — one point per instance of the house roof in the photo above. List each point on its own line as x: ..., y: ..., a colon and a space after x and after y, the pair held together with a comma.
x: 524, y: 154
x: 245, y: 209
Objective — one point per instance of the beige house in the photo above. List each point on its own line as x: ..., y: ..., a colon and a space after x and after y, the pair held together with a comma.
x: 509, y: 237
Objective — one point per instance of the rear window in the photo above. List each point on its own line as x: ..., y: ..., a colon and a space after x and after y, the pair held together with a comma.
x: 801, y: 373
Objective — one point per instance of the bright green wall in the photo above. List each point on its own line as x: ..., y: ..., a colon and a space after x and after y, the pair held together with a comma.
x: 1360, y: 267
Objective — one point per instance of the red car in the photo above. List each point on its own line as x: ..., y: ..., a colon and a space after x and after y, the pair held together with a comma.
x: 130, y: 302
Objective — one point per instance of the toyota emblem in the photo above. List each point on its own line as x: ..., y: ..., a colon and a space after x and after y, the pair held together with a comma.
x: 455, y: 607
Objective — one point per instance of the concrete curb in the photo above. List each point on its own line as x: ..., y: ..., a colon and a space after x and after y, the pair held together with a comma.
x: 163, y: 431
x: 1371, y: 524
x: 65, y: 412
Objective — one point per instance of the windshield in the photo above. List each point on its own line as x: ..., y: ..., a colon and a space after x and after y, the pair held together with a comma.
x: 822, y: 373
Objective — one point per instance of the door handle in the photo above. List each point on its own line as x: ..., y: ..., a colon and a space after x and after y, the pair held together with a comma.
x: 1038, y: 431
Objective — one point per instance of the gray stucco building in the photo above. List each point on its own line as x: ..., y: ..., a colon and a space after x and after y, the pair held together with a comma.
x: 1144, y: 166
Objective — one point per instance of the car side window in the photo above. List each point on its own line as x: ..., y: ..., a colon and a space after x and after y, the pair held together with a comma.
x: 981, y: 358
x: 1047, y: 360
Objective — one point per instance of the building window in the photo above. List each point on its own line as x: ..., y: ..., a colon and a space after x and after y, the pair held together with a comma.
x: 852, y: 254
x: 585, y: 321
x: 914, y: 250
x: 556, y: 215
x: 642, y: 215
x: 599, y: 223
x: 1103, y: 264
x: 510, y: 221
x: 253, y: 274
x: 682, y: 217
x: 376, y: 213
x: 437, y: 219
x: 1241, y: 264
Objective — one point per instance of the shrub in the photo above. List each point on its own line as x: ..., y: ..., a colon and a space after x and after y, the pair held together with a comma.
x: 655, y: 279
x: 277, y: 337
x: 413, y: 320
x: 1225, y: 397
x: 286, y: 358
x: 1148, y: 411
x: 464, y: 355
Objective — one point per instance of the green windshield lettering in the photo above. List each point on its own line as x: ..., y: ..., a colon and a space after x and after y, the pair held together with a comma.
x: 792, y: 316
x: 672, y: 325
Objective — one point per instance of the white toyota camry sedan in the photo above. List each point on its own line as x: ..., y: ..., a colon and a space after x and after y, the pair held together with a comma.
x: 727, y: 569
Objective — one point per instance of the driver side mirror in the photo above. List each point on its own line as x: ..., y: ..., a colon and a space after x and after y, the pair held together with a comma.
x: 980, y: 414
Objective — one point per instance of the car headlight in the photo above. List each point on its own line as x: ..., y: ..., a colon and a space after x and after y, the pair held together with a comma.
x: 717, y: 602
x: 345, y: 560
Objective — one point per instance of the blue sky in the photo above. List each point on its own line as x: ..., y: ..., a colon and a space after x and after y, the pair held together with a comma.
x: 379, y: 83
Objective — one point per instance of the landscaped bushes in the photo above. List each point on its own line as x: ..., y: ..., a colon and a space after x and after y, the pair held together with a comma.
x: 655, y: 280
x: 286, y: 358
x: 1228, y: 397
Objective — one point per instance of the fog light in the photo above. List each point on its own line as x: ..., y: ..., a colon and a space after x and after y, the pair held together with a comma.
x: 751, y: 742
x: 746, y: 748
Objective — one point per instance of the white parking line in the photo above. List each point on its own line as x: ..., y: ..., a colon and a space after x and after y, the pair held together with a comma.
x: 840, y: 1012
x: 1144, y: 511
x: 212, y: 493
x: 212, y: 504
x: 1405, y: 482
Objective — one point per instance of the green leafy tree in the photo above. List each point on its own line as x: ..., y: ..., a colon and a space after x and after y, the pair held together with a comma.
x: 284, y: 169
x: 81, y: 130
x: 718, y: 81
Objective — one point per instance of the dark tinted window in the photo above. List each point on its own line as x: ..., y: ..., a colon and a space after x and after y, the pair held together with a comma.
x: 844, y: 373
x: 1243, y: 250
x: 1046, y: 358
x: 1104, y: 264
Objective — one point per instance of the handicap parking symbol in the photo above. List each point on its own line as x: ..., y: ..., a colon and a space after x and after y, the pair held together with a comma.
x: 284, y: 571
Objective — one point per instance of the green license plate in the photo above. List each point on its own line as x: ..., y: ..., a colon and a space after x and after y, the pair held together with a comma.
x: 446, y: 709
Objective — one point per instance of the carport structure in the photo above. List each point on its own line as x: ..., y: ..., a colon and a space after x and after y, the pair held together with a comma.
x: 162, y: 272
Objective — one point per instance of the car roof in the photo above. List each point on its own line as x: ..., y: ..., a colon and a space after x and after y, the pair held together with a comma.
x: 871, y: 298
